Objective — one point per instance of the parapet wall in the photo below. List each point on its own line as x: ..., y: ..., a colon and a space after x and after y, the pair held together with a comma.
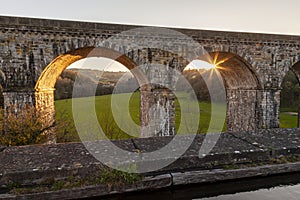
x: 19, y: 164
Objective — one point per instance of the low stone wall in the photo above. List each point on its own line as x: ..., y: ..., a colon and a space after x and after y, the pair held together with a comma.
x: 27, y: 165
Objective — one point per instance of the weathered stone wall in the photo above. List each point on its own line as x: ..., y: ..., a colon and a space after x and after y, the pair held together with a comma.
x: 269, y: 106
x: 243, y: 117
x: 18, y: 98
x: 27, y: 46
x: 157, y: 112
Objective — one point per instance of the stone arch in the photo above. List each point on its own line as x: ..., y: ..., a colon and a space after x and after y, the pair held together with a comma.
x: 44, y: 88
x: 237, y: 72
x: 242, y: 86
x: 48, y: 77
x: 296, y: 69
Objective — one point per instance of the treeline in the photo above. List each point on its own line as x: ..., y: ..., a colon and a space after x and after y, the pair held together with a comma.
x: 201, y: 81
x: 87, y: 80
x: 198, y: 84
x: 105, y: 83
x: 65, y: 84
x: 289, y: 97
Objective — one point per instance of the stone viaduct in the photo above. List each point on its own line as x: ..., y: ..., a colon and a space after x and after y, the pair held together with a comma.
x: 34, y: 52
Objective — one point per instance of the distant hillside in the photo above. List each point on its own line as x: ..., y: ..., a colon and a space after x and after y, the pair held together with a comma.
x: 87, y: 79
x: 106, y: 81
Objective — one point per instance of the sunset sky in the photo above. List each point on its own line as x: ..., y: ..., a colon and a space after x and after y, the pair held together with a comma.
x: 267, y: 16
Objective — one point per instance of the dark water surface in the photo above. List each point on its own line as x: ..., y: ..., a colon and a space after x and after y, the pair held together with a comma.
x: 279, y: 187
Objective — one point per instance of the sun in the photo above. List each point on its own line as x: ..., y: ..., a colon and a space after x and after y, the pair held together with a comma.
x: 208, y: 63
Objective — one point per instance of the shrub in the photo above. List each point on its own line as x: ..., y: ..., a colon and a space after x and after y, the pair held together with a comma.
x: 22, y: 126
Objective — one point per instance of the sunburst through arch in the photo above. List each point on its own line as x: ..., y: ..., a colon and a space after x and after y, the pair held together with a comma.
x: 242, y: 87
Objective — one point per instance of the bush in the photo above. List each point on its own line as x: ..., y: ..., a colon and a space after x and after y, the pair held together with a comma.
x: 22, y: 127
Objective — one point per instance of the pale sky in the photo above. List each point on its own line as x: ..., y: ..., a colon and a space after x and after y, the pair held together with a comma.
x: 106, y: 64
x: 266, y: 16
x: 99, y: 63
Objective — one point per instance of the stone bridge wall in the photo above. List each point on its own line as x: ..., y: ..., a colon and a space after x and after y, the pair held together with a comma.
x: 27, y: 46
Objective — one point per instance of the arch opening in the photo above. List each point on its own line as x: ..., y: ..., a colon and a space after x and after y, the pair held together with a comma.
x: 63, y: 69
x: 241, y: 85
x: 50, y: 74
x: 290, y: 98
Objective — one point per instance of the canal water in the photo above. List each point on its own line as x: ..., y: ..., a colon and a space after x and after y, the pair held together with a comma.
x: 279, y: 187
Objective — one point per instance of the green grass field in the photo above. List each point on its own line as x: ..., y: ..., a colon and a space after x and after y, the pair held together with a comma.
x: 64, y: 116
x: 67, y: 131
x: 287, y: 120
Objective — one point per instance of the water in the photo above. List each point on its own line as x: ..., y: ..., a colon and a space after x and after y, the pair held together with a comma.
x: 277, y: 193
x: 279, y: 187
